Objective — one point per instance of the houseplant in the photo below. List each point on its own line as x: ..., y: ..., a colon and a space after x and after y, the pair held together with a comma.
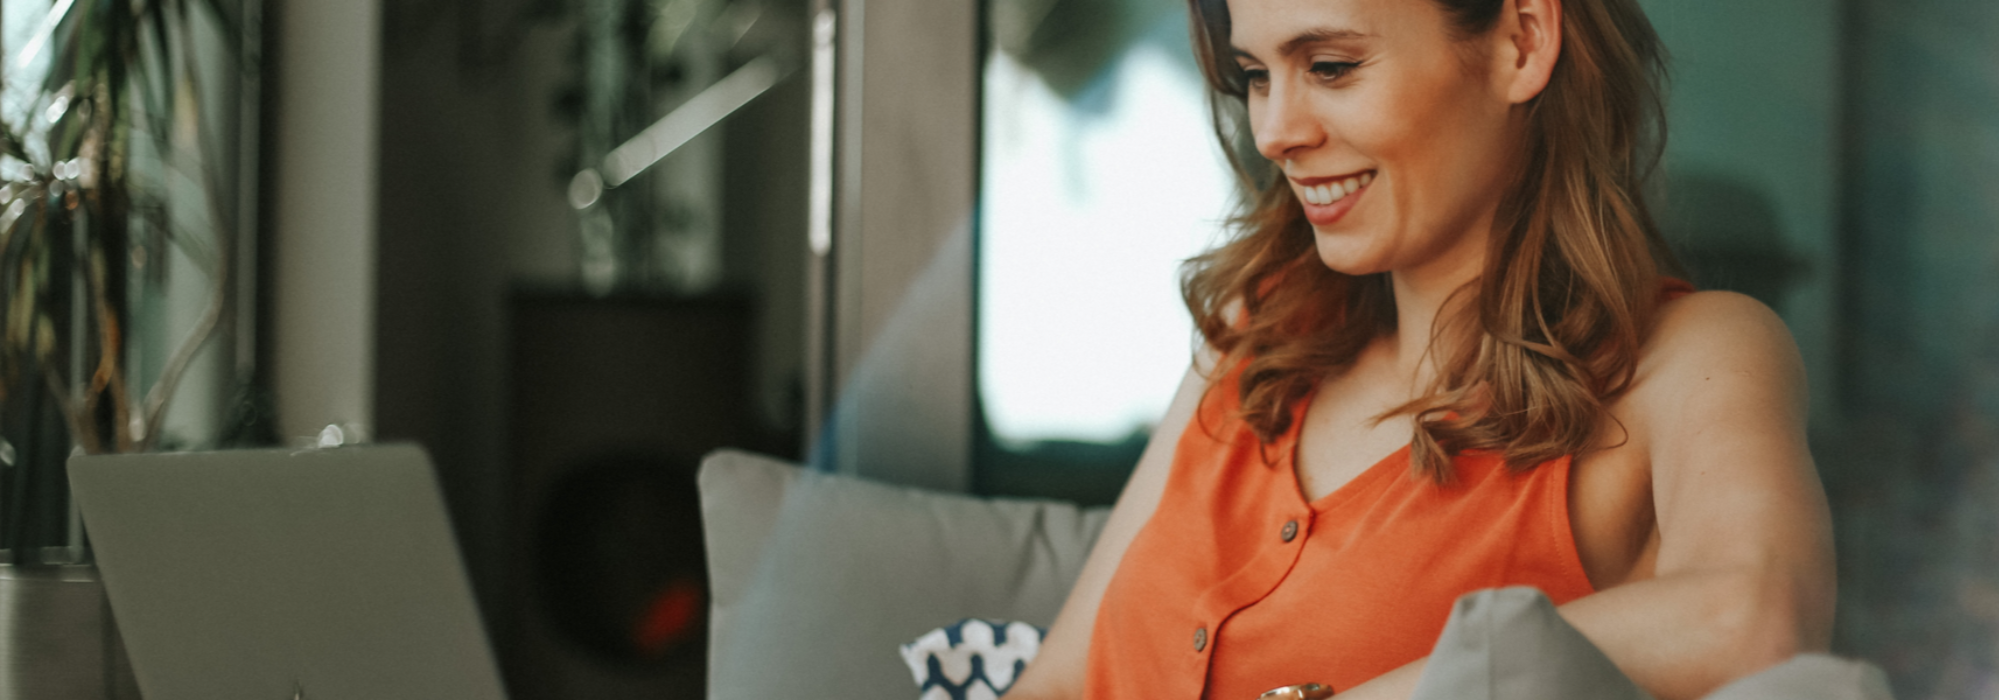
x: 127, y: 176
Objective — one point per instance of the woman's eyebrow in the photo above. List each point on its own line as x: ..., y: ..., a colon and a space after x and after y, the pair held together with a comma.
x: 1307, y: 38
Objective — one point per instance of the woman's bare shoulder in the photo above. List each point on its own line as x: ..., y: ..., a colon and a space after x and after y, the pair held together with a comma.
x: 1716, y: 311
x: 1702, y: 337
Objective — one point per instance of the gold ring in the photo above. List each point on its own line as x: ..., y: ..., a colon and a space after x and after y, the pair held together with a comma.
x: 1302, y: 691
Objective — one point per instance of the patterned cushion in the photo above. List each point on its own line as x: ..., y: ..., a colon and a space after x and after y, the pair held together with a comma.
x: 971, y: 659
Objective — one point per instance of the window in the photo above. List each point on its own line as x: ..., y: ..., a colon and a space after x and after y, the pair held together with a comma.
x: 1099, y: 175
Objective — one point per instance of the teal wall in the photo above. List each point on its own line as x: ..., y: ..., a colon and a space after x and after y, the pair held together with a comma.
x: 1841, y: 162
x: 1752, y: 179
x: 1914, y: 473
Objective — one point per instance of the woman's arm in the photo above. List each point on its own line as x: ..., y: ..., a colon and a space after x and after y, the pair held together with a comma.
x: 1057, y: 670
x: 1744, y: 575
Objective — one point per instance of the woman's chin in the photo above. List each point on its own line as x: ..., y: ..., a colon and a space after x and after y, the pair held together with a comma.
x: 1344, y: 257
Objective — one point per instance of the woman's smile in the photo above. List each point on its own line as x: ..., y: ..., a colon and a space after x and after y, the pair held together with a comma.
x: 1328, y: 199
x: 1339, y: 93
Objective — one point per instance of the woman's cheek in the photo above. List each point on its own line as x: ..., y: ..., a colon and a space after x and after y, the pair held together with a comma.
x: 1386, y: 123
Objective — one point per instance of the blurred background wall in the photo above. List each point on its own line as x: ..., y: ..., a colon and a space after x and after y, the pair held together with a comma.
x: 1841, y: 162
x: 1913, y: 464
x: 489, y: 351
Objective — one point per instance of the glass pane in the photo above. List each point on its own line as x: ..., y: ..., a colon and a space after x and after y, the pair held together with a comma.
x: 1100, y: 174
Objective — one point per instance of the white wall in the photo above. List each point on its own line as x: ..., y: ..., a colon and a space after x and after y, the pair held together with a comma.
x: 902, y: 252
x: 325, y: 57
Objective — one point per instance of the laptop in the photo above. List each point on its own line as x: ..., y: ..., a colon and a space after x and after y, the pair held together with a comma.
x: 321, y: 574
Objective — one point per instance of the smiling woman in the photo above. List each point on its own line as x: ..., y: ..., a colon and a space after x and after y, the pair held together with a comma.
x: 1451, y: 265
x: 1459, y: 140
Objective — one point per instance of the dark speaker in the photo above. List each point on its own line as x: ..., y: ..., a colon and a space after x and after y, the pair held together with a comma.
x: 612, y: 404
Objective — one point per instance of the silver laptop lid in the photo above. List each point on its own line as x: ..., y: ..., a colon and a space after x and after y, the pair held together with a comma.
x: 327, y: 574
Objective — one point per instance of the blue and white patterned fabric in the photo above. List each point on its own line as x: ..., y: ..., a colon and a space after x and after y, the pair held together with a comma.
x: 971, y: 659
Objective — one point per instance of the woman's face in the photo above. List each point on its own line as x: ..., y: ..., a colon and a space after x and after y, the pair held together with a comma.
x: 1392, y: 133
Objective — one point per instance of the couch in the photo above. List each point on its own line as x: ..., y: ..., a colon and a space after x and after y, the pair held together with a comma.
x: 816, y: 579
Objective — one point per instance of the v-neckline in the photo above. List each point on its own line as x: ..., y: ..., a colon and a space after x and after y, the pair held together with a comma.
x: 1297, y: 437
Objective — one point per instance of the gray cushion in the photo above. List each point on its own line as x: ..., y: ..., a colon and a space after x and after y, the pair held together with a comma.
x: 1811, y: 677
x: 1511, y: 644
x: 740, y: 495
x: 1508, y: 644
x: 817, y: 578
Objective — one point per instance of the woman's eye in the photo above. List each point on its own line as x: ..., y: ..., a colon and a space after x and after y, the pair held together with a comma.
x: 1255, y: 78
x: 1330, y: 70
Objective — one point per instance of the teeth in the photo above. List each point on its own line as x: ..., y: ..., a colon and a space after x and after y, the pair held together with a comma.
x: 1325, y: 194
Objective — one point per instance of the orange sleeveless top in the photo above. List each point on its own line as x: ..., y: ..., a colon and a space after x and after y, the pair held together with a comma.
x: 1237, y: 585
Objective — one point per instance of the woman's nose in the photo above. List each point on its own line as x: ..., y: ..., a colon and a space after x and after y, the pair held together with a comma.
x: 1284, y: 125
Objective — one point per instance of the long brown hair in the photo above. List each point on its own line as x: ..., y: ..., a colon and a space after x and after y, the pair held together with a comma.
x: 1571, y: 280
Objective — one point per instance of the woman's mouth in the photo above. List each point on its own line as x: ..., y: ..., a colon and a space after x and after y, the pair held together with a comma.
x: 1326, y: 199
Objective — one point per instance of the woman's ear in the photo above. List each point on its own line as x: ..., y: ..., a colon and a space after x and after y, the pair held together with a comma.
x: 1531, y: 32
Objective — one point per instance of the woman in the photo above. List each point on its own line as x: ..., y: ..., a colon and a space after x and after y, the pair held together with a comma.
x: 1451, y: 264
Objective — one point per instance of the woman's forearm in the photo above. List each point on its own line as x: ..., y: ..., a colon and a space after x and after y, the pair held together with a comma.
x: 1684, y: 635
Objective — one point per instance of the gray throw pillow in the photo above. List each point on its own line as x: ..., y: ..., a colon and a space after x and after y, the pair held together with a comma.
x: 850, y: 569
x: 1510, y: 644
x: 1811, y: 677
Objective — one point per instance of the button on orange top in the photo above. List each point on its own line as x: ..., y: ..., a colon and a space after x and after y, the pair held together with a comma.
x: 1358, y: 583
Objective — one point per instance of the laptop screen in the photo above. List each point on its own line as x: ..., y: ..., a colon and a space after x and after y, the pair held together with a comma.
x: 323, y: 574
